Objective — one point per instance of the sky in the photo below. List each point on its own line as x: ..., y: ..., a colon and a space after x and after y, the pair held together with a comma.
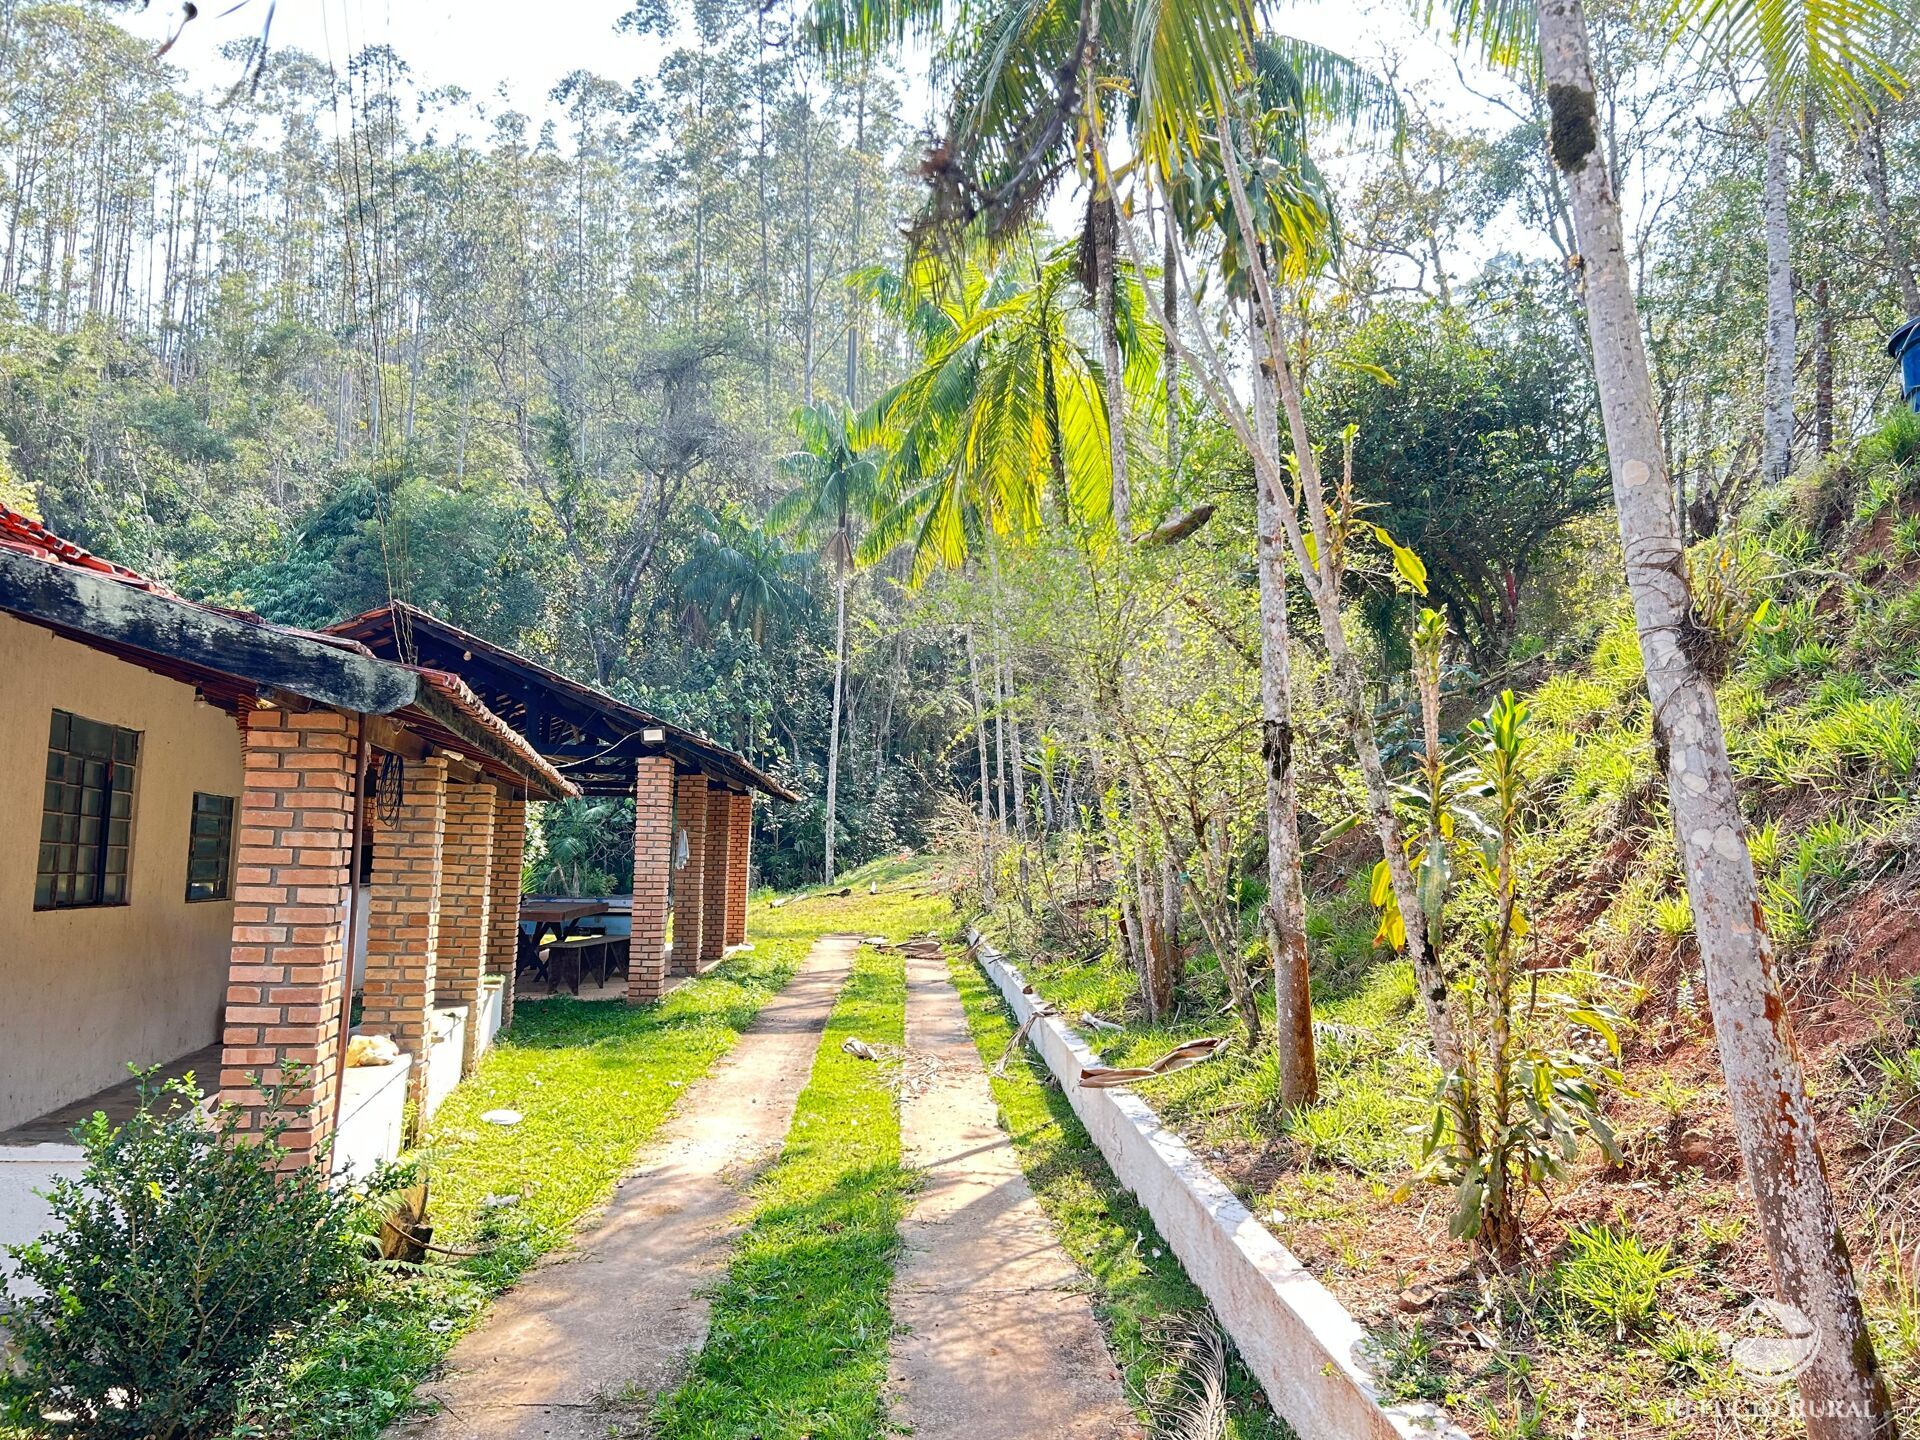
x: 482, y: 45
x: 521, y: 49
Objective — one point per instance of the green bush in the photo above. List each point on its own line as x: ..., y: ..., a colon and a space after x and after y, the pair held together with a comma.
x: 179, y: 1254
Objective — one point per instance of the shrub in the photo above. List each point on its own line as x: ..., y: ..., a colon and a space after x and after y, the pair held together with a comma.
x: 178, y: 1255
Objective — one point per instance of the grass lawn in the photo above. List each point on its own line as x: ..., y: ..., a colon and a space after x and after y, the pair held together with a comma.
x: 1141, y: 1294
x: 800, y: 1329
x: 594, y: 1080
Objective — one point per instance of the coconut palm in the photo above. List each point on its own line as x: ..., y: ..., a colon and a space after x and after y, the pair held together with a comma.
x: 1032, y: 85
x: 836, y: 488
x: 1006, y: 409
x: 1823, y: 43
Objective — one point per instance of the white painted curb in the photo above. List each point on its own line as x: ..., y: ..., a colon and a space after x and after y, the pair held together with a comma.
x: 1296, y: 1338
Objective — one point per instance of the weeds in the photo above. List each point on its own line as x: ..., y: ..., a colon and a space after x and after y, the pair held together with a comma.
x: 1610, y: 1277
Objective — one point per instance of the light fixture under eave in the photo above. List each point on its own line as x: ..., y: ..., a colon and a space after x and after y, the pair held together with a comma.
x: 653, y: 736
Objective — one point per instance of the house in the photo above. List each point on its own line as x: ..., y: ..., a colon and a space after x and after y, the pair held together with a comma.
x: 217, y: 834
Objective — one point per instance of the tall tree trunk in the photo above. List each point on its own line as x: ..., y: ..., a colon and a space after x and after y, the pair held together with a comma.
x: 1285, y: 916
x: 1873, y: 167
x: 986, y: 792
x: 833, y: 735
x: 1776, y: 434
x: 1323, y: 588
x: 1103, y: 220
x: 999, y: 734
x: 1842, y: 1388
x: 1822, y: 369
x: 1170, y: 346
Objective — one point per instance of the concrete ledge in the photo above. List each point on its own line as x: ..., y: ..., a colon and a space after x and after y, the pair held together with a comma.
x: 492, y: 993
x: 373, y: 1108
x: 446, y: 1057
x: 1301, y: 1344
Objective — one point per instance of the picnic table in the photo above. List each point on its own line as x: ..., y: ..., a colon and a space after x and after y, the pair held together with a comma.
x: 567, y: 955
x: 559, y: 914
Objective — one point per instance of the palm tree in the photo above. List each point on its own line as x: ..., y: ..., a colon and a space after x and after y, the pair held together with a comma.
x: 1005, y: 411
x: 1842, y: 1388
x: 836, y: 487
x: 1270, y: 216
x: 1030, y: 82
x: 739, y: 574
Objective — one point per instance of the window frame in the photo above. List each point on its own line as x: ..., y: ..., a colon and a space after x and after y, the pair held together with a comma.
x: 223, y: 820
x: 63, y: 824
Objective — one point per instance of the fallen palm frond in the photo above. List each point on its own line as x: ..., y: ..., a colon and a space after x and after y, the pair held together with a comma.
x: 1196, y: 1407
x: 1106, y: 1077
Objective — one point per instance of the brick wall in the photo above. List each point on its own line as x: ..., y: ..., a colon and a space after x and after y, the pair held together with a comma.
x: 287, y: 973
x: 689, y: 880
x: 713, y: 927
x: 466, y: 883
x: 403, y: 916
x: 652, y: 855
x: 738, y: 860
x: 503, y: 906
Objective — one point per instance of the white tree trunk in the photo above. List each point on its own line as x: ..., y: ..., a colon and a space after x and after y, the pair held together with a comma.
x: 1285, y: 917
x: 986, y: 793
x: 1873, y: 166
x: 1842, y: 1389
x: 833, y: 735
x: 1776, y: 444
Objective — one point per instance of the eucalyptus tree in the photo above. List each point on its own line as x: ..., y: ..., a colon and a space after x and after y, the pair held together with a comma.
x: 1837, y: 55
x: 1842, y: 1389
x: 836, y: 489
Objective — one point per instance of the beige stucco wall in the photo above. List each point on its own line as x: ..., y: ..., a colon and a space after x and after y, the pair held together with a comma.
x: 83, y: 992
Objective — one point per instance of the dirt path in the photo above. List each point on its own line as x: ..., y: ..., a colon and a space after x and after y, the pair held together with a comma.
x: 994, y: 1336
x: 580, y: 1347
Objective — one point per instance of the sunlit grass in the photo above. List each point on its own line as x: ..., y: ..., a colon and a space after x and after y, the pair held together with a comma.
x: 797, y: 1344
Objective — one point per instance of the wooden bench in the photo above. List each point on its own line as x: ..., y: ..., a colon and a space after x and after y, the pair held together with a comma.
x: 569, y: 959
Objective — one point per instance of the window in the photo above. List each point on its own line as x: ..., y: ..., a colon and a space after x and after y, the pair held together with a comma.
x: 210, y: 848
x: 86, y: 819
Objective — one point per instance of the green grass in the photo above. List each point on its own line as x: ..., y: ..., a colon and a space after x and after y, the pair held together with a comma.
x: 797, y: 1346
x: 593, y: 1081
x: 1140, y: 1293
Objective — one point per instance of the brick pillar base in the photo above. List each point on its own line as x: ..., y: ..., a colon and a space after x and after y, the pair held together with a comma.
x: 652, y: 855
x: 287, y: 974
x: 740, y: 838
x: 503, y: 906
x: 403, y: 917
x: 713, y: 925
x: 690, y: 879
x: 466, y: 883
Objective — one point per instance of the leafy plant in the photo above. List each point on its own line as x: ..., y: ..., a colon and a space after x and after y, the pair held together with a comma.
x: 1609, y: 1276
x: 178, y: 1254
x: 1538, y: 1061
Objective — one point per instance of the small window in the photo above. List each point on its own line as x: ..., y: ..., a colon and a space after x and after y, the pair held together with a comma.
x: 86, y: 817
x: 210, y: 848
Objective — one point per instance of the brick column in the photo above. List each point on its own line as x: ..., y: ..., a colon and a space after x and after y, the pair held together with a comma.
x: 713, y: 926
x: 503, y: 905
x: 740, y: 839
x: 287, y: 972
x: 652, y: 858
x: 403, y: 917
x: 690, y: 879
x: 466, y: 883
